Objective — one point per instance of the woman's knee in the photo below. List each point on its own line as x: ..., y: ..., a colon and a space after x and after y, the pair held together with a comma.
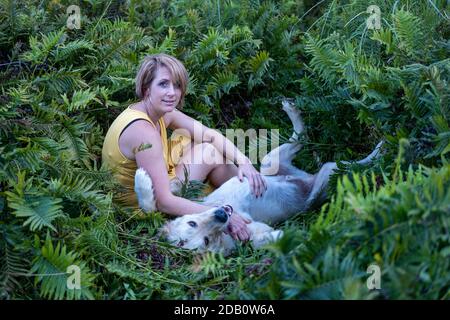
x: 206, y: 153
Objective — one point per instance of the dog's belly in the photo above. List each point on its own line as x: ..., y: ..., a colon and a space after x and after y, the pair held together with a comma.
x: 278, y: 203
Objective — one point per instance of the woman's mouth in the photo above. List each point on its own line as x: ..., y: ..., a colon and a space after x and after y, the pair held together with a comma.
x: 169, y: 102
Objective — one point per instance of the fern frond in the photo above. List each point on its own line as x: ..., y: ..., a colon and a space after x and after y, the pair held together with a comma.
x: 242, y: 41
x: 169, y: 45
x: 41, y: 211
x: 41, y: 48
x: 409, y: 31
x: 27, y: 158
x: 413, y: 93
x: 384, y: 36
x: 60, y: 81
x: 103, y: 243
x: 80, y: 100
x: 69, y: 50
x: 71, y: 138
x: 211, y: 264
x: 123, y: 271
x: 323, y: 59
x: 79, y: 190
x: 222, y: 83
x: 12, y: 267
x: 212, y: 49
x: 258, y: 67
x: 51, y: 269
x: 328, y: 279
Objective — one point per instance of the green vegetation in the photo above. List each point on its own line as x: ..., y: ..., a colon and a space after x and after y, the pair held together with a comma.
x: 62, y: 88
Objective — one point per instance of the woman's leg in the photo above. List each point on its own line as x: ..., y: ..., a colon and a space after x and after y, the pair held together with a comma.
x: 203, y: 161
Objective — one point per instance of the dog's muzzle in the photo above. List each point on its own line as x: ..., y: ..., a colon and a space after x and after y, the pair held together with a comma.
x: 222, y: 213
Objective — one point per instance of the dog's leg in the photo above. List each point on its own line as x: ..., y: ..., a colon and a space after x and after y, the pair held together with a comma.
x: 375, y: 154
x: 263, y: 234
x: 279, y: 160
x: 321, y: 179
x: 296, y: 119
x: 143, y: 186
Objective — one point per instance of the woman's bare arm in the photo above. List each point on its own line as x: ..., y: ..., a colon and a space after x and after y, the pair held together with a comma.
x: 179, y: 121
x: 201, y: 133
x: 142, y: 140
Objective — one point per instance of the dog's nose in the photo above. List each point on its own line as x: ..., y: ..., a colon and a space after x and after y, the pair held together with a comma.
x: 221, y: 215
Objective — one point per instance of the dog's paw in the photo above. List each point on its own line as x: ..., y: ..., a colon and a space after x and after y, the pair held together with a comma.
x: 288, y: 106
x: 260, y: 240
x: 276, y: 235
x: 143, y: 186
x: 379, y: 145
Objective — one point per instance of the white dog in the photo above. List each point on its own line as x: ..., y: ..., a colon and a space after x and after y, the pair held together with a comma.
x: 289, y: 191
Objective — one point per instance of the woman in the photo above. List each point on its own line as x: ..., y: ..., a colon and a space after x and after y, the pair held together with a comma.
x: 138, y: 138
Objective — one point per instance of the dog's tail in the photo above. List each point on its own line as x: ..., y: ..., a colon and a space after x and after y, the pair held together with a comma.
x: 143, y: 186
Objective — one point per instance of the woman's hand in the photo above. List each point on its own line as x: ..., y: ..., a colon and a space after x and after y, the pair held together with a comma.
x: 257, y: 183
x: 237, y: 227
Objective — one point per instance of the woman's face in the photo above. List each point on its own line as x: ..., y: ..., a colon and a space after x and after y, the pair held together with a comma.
x: 164, y: 94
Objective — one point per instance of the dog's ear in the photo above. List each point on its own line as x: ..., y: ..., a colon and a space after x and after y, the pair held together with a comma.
x: 164, y: 231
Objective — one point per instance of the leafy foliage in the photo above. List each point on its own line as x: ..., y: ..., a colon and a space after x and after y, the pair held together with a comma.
x: 400, y: 226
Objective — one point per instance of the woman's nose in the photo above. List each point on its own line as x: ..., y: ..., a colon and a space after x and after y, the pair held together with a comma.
x: 171, y: 90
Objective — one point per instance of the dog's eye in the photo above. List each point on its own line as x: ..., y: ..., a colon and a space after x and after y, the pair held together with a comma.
x: 193, y: 224
x: 206, y: 241
x: 228, y: 209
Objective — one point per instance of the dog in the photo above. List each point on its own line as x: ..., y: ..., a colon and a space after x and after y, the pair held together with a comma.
x: 289, y: 191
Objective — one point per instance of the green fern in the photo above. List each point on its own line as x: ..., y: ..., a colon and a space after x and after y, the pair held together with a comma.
x: 384, y: 36
x: 69, y: 50
x: 258, y: 67
x: 221, y: 84
x: 79, y: 190
x: 30, y: 203
x: 211, y: 50
x: 71, y: 136
x: 51, y: 269
x: 13, y: 268
x: 40, y: 49
x: 408, y: 29
x: 79, y: 101
x: 323, y: 59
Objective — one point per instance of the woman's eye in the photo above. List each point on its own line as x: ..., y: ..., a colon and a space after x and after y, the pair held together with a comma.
x: 206, y: 241
x: 164, y: 84
x: 193, y: 224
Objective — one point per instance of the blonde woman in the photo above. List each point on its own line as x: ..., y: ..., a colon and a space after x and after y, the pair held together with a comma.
x: 138, y: 139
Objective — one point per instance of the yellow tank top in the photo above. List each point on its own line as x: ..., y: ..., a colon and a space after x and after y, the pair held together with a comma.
x: 123, y: 168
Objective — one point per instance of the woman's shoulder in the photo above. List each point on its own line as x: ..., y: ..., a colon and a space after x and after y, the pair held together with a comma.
x: 173, y: 119
x: 137, y: 123
x: 169, y: 116
x: 139, y: 128
x: 137, y: 133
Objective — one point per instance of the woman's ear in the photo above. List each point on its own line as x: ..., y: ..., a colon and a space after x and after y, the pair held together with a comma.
x: 146, y: 93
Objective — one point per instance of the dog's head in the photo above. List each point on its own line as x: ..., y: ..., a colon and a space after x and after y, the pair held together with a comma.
x: 201, y: 231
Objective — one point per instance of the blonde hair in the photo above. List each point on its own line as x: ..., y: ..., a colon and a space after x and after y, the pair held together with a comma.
x: 148, y: 68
